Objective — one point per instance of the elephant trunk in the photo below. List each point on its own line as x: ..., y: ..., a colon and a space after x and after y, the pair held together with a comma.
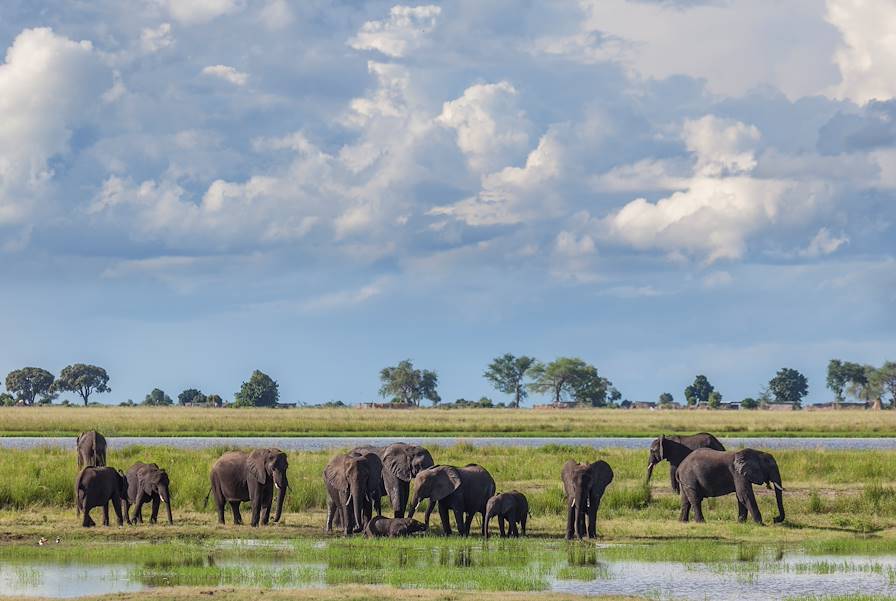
x: 579, y: 504
x: 165, y: 494
x: 488, y: 518
x: 415, y: 502
x: 650, y: 467
x: 281, y: 495
x: 780, y: 501
x: 357, y: 508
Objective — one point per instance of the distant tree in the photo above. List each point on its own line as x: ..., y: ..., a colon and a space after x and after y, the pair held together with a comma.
x: 127, y: 403
x: 191, y: 396
x: 789, y: 386
x: 157, y: 398
x: 865, y: 384
x: 569, y: 378
x: 506, y: 373
x: 409, y: 386
x: 215, y: 400
x: 666, y: 399
x: 28, y: 383
x: 613, y: 394
x: 715, y: 399
x: 7, y: 400
x: 83, y: 379
x: 837, y: 379
x: 749, y: 403
x: 699, y: 391
x: 260, y: 391
x: 885, y: 380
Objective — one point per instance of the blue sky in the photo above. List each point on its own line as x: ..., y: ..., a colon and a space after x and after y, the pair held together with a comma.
x: 193, y: 190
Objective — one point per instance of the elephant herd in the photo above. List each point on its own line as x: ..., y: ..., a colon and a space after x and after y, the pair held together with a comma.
x: 356, y: 482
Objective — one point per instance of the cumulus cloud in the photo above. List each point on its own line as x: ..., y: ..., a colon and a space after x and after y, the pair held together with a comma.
x: 153, y: 39
x: 47, y: 85
x: 193, y: 12
x: 867, y: 54
x: 404, y: 31
x: 276, y: 14
x: 824, y: 243
x: 227, y: 73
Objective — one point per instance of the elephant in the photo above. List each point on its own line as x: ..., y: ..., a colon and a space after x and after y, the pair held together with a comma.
x: 97, y: 487
x: 584, y: 485
x: 511, y: 506
x: 237, y: 476
x: 709, y: 473
x: 675, y: 448
x: 91, y: 449
x: 401, y: 463
x: 376, y: 485
x: 380, y: 526
x: 352, y: 480
x: 465, y: 490
x: 147, y: 482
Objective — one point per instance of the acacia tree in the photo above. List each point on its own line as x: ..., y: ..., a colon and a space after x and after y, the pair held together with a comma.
x: 260, y: 391
x: 884, y: 380
x: 699, y: 391
x: 789, y: 386
x: 191, y: 396
x: 572, y: 378
x: 409, y: 386
x: 837, y: 379
x: 157, y: 398
x: 506, y: 373
x: 83, y: 379
x: 666, y: 399
x: 29, y: 382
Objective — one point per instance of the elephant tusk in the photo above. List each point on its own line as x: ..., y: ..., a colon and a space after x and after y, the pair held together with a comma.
x: 778, y: 486
x: 277, y: 486
x: 573, y: 502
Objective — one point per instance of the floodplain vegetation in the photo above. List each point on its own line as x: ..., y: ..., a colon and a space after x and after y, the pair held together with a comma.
x: 354, y: 421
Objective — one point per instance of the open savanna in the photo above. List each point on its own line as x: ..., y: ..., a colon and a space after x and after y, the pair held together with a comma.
x: 181, y: 421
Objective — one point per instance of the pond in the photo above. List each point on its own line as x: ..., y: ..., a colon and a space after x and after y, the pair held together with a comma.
x: 326, y: 443
x: 694, y: 571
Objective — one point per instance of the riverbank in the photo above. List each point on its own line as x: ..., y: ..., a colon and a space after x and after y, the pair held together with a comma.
x: 186, y: 421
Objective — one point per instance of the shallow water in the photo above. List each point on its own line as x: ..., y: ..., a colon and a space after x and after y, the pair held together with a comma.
x: 326, y: 443
x: 550, y: 565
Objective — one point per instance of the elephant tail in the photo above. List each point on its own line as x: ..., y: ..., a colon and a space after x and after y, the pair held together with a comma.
x: 205, y: 504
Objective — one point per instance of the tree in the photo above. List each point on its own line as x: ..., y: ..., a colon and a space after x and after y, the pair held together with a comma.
x: 191, y: 396
x: 7, y: 400
x: 409, y: 386
x: 613, y: 394
x: 214, y: 400
x: 837, y: 379
x: 157, y: 398
x: 83, y: 379
x: 715, y: 399
x: 788, y: 386
x: 865, y: 384
x: 506, y: 374
x: 699, y: 391
x: 260, y: 391
x: 570, y: 378
x: 749, y: 403
x: 29, y: 382
x: 666, y: 399
x: 885, y: 380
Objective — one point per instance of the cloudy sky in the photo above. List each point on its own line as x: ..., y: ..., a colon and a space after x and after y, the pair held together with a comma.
x: 192, y: 189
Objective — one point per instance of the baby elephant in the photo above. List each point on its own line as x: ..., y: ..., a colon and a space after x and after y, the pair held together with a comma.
x: 382, y: 526
x: 147, y: 482
x: 97, y: 487
x: 511, y: 506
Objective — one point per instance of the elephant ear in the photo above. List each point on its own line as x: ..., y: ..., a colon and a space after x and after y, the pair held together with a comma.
x: 397, y: 461
x: 255, y: 463
x: 662, y: 446
x: 748, y: 464
x: 445, y: 481
x: 135, y: 485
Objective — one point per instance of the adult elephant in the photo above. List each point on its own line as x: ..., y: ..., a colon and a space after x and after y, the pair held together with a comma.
x: 147, y: 482
x: 97, y: 487
x: 675, y: 448
x: 353, y: 480
x: 463, y: 490
x: 584, y: 485
x: 401, y: 463
x: 239, y: 476
x: 91, y: 449
x: 709, y: 473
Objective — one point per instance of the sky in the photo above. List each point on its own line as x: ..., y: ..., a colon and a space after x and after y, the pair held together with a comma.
x: 191, y: 190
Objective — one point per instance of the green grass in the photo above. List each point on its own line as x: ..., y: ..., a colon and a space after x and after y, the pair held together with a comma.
x: 179, y: 421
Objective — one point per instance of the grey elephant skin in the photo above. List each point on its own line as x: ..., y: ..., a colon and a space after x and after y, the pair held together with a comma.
x: 708, y: 473
x: 584, y: 485
x: 512, y: 507
x: 97, y: 487
x: 675, y: 448
x: 147, y: 482
x: 91, y: 448
x: 353, y: 483
x: 381, y: 526
x: 463, y: 490
x: 401, y: 464
x: 239, y: 476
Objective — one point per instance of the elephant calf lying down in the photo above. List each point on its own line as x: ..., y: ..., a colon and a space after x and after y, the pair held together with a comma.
x: 382, y: 526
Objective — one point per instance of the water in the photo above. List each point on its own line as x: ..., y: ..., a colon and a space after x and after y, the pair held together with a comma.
x: 554, y: 566
x: 327, y: 443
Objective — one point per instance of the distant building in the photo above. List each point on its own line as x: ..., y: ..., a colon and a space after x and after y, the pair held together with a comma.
x: 643, y: 405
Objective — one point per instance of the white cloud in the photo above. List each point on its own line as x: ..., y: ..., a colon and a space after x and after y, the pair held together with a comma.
x: 573, y: 257
x: 491, y: 128
x: 276, y: 14
x: 405, y: 30
x: 227, y: 73
x: 193, y: 12
x: 824, y: 243
x: 48, y: 84
x: 345, y: 298
x: 867, y: 54
x: 721, y: 146
x: 155, y: 39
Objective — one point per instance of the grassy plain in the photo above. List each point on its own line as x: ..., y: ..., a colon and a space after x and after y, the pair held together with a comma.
x: 180, y: 421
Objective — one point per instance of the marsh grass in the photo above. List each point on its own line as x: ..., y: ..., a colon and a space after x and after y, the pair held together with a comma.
x: 181, y: 421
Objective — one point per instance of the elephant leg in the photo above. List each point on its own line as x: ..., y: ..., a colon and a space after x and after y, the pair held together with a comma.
x: 753, y: 506
x: 87, y: 522
x: 267, y: 500
x: 570, y: 522
x: 331, y: 512
x: 514, y: 532
x: 685, y: 514
x: 741, y: 510
x: 138, y: 510
x: 461, y: 523
x: 580, y: 522
x: 501, y: 525
x: 116, y: 506
x: 235, y: 509
x: 106, y: 513
x: 673, y: 471
x: 523, y: 524
x: 219, y: 505
x: 154, y: 516
x: 468, y: 523
x: 592, y: 518
x: 446, y: 523
x: 430, y: 506
x: 697, y: 504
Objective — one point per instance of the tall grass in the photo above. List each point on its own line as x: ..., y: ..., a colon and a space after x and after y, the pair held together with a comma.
x: 179, y: 421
